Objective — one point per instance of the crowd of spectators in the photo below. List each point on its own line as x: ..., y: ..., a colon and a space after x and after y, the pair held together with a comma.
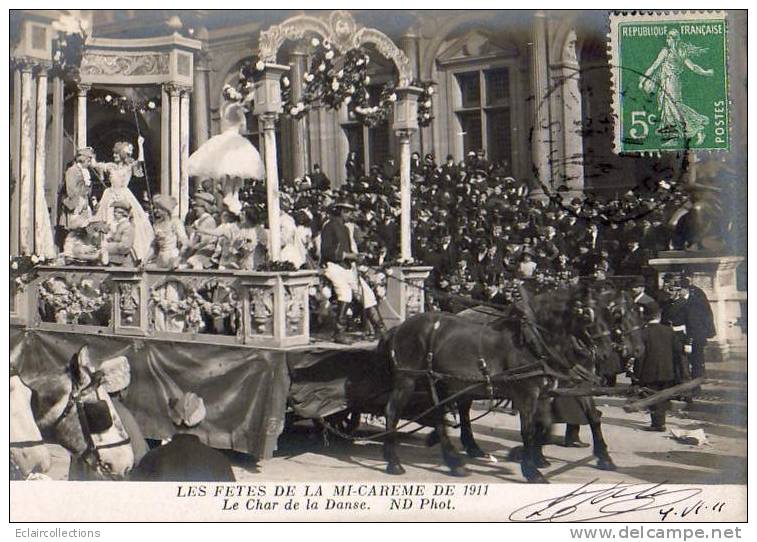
x: 481, y: 229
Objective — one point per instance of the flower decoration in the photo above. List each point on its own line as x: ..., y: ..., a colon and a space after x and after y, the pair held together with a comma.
x: 123, y: 104
x: 69, y: 46
x: 24, y: 269
x: 334, y: 80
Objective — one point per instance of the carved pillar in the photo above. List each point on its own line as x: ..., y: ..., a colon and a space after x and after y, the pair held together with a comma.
x: 200, y: 104
x: 15, y: 141
x: 174, y: 145
x: 81, y: 115
x: 26, y: 166
x: 267, y: 109
x: 165, y: 141
x: 406, y: 245
x: 55, y: 158
x: 43, y: 233
x: 405, y: 124
x: 184, y: 152
x: 540, y: 137
x: 409, y: 45
x: 299, y: 134
x: 268, y: 124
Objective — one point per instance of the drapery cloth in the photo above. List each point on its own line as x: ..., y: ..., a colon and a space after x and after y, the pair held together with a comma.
x: 244, y: 389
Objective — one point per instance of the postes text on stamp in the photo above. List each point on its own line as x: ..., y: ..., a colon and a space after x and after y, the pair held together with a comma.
x: 670, y: 79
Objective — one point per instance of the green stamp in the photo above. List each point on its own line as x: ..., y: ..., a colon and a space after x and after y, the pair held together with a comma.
x: 670, y: 77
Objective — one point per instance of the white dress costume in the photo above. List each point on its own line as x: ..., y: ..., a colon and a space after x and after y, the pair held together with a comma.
x: 120, y: 175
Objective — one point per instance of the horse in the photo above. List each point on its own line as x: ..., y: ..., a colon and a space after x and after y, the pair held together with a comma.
x: 72, y: 408
x: 462, y: 361
x: 28, y: 453
x: 553, y: 311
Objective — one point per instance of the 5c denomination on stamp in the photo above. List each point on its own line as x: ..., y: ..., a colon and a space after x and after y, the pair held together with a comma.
x: 670, y: 78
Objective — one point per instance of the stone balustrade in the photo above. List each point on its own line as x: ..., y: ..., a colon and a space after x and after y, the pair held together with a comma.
x: 267, y: 309
x: 241, y: 308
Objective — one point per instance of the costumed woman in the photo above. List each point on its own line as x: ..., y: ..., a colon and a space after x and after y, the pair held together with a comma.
x: 171, y: 238
x: 119, y: 173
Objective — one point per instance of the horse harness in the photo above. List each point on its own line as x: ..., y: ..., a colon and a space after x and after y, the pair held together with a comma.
x: 91, y: 454
x: 539, y: 368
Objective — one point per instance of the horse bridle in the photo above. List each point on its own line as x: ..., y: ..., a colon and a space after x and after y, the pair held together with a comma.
x: 91, y: 454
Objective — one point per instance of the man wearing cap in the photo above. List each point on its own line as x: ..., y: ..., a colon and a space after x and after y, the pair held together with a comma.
x: 699, y: 323
x: 339, y: 253
x: 120, y: 240
x: 75, y: 193
x: 185, y: 458
x: 202, y: 241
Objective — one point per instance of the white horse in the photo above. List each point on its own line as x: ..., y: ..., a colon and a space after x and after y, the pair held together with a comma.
x: 28, y: 453
x: 73, y: 408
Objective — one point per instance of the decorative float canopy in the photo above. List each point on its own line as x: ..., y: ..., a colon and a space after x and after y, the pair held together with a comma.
x: 167, y: 59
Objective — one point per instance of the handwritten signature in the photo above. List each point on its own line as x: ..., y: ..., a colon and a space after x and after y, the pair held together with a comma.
x: 592, y: 501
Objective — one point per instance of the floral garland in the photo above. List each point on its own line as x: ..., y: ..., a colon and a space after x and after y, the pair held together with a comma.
x: 24, y: 268
x: 126, y: 105
x: 69, y: 46
x: 332, y: 81
x: 73, y: 301
x: 195, y: 305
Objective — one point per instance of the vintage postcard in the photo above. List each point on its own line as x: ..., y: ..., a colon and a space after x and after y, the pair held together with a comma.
x: 378, y: 265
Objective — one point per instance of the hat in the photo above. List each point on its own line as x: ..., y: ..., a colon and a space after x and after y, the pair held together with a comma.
x: 121, y: 204
x: 165, y: 202
x: 204, y: 199
x: 189, y: 409
x: 85, y: 151
x: 344, y: 205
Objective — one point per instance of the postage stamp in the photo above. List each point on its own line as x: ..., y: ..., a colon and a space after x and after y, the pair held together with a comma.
x: 670, y: 77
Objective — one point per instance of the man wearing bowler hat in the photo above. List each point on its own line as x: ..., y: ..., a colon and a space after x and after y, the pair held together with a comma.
x: 339, y: 253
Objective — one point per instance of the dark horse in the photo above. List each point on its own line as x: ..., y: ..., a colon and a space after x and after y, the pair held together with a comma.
x: 453, y: 357
x: 449, y: 354
x: 612, y: 329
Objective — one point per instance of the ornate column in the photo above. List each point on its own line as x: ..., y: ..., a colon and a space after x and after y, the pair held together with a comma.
x: 174, y: 97
x: 267, y: 108
x: 15, y: 141
x: 299, y: 139
x: 43, y: 234
x: 405, y: 124
x: 81, y: 115
x: 200, y: 104
x: 268, y: 124
x: 409, y: 45
x: 26, y: 167
x: 165, y: 141
x: 56, y: 146
x: 540, y: 137
x: 184, y: 154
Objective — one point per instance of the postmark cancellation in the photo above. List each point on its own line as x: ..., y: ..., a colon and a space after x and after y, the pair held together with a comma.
x: 670, y: 81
